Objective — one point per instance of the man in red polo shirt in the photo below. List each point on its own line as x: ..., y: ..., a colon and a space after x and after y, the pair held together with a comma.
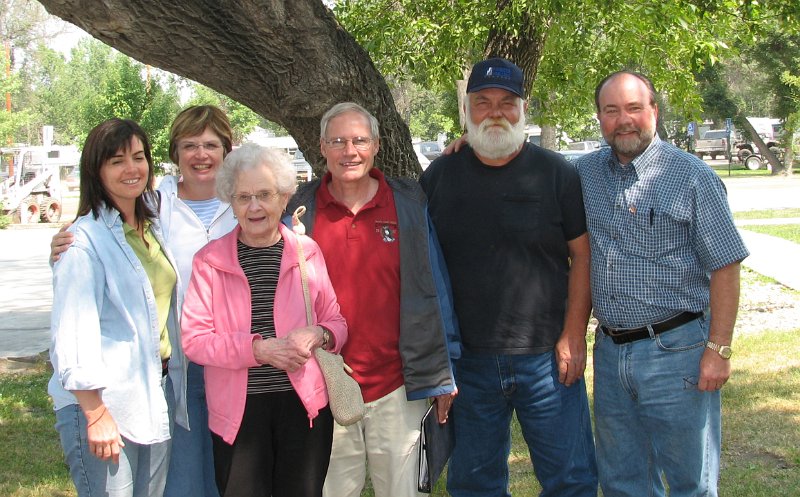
x: 388, y: 273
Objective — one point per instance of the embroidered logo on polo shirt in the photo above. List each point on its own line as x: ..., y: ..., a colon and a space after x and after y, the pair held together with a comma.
x: 387, y: 230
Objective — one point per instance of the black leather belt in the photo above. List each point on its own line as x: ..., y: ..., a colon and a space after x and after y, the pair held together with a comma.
x: 626, y: 335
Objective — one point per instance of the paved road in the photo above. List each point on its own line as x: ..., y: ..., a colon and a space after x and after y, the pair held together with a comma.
x: 763, y: 192
x: 25, y: 291
x: 25, y: 279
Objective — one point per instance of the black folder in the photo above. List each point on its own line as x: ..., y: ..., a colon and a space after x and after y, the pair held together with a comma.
x: 435, y: 445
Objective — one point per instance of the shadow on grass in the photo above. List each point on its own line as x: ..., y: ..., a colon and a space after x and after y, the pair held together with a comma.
x: 31, y: 461
x: 761, y: 433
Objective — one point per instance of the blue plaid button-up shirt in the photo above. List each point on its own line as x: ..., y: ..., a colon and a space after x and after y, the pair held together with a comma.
x: 658, y: 227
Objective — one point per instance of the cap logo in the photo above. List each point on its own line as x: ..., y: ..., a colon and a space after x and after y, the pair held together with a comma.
x: 498, y: 72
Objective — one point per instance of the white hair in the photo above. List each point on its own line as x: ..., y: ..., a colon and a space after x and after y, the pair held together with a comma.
x: 250, y: 156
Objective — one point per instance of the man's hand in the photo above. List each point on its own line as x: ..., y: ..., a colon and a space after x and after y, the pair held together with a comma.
x: 456, y: 145
x: 60, y: 243
x: 571, y: 357
x: 443, y: 403
x: 714, y: 371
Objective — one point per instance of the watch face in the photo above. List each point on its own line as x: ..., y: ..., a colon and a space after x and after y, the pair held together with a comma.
x: 725, y: 351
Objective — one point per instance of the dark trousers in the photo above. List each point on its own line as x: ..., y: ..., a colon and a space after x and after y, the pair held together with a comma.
x: 276, y: 453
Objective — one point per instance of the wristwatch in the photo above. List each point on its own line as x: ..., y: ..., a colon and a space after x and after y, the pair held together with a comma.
x: 326, y: 338
x: 724, y: 351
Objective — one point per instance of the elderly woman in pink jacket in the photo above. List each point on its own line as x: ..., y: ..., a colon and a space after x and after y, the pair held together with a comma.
x: 244, y: 319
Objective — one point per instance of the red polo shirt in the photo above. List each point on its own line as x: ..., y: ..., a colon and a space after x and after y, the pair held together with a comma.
x: 363, y: 257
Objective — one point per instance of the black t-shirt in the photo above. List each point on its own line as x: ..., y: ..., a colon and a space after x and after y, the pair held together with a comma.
x: 504, y: 233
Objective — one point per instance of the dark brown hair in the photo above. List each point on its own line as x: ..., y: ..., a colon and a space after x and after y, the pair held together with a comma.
x: 193, y: 121
x: 103, y: 143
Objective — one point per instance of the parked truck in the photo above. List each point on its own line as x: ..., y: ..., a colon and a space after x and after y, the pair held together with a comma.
x: 714, y: 142
x: 31, y: 187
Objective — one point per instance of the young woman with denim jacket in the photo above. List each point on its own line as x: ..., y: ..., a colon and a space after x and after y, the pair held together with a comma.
x: 114, y: 322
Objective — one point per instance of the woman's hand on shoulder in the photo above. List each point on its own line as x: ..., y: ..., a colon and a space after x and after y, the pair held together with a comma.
x: 60, y: 243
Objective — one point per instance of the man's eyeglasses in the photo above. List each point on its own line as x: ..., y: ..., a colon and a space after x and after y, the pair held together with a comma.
x: 191, y: 147
x: 359, y: 142
x: 243, y: 199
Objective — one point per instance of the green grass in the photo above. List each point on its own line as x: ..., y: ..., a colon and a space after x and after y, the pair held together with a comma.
x: 767, y: 214
x: 761, y: 417
x: 739, y: 171
x: 31, y: 462
x: 789, y: 232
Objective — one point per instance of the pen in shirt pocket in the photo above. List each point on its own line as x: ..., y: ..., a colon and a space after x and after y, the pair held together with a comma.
x: 652, y: 215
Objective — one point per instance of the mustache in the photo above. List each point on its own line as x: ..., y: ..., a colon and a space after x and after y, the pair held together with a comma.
x: 502, y: 122
x: 627, y: 129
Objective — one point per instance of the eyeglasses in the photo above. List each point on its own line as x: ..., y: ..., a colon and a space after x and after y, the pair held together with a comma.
x: 191, y: 147
x: 359, y: 142
x: 243, y: 199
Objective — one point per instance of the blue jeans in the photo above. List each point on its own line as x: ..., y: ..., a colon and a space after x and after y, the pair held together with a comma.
x: 191, y: 468
x: 650, y: 418
x: 141, y: 472
x: 554, y: 419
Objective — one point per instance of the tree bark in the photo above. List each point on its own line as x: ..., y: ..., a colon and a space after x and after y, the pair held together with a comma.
x: 287, y: 60
x: 524, y: 48
x: 549, y: 137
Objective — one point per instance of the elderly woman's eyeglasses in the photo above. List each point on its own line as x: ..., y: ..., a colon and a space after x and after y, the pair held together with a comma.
x: 243, y: 199
x: 359, y: 142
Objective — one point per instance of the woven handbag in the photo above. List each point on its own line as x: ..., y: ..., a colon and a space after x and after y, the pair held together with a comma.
x: 344, y: 394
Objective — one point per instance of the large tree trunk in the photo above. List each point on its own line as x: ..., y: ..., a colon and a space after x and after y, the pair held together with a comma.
x: 288, y: 60
x: 524, y: 48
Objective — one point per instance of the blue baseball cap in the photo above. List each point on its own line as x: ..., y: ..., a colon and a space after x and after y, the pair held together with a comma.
x: 496, y: 73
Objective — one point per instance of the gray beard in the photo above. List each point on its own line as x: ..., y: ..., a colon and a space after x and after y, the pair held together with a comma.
x: 495, y: 144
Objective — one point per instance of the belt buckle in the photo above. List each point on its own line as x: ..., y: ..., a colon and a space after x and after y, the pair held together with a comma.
x: 618, y: 332
x: 622, y: 335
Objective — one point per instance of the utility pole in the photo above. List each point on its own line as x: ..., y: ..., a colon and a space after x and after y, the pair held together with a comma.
x: 8, y: 74
x: 10, y: 140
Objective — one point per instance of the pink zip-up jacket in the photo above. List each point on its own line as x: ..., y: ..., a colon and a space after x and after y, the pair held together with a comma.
x: 215, y: 328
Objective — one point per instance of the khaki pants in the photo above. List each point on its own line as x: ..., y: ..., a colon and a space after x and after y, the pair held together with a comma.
x: 387, y: 439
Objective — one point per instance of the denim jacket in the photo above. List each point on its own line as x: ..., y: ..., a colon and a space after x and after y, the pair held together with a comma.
x: 104, y: 329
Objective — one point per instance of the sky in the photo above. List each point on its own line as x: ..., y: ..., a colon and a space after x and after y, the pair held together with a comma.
x: 68, y: 35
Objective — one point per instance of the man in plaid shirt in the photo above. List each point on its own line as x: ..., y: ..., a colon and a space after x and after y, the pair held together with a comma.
x: 665, y: 290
